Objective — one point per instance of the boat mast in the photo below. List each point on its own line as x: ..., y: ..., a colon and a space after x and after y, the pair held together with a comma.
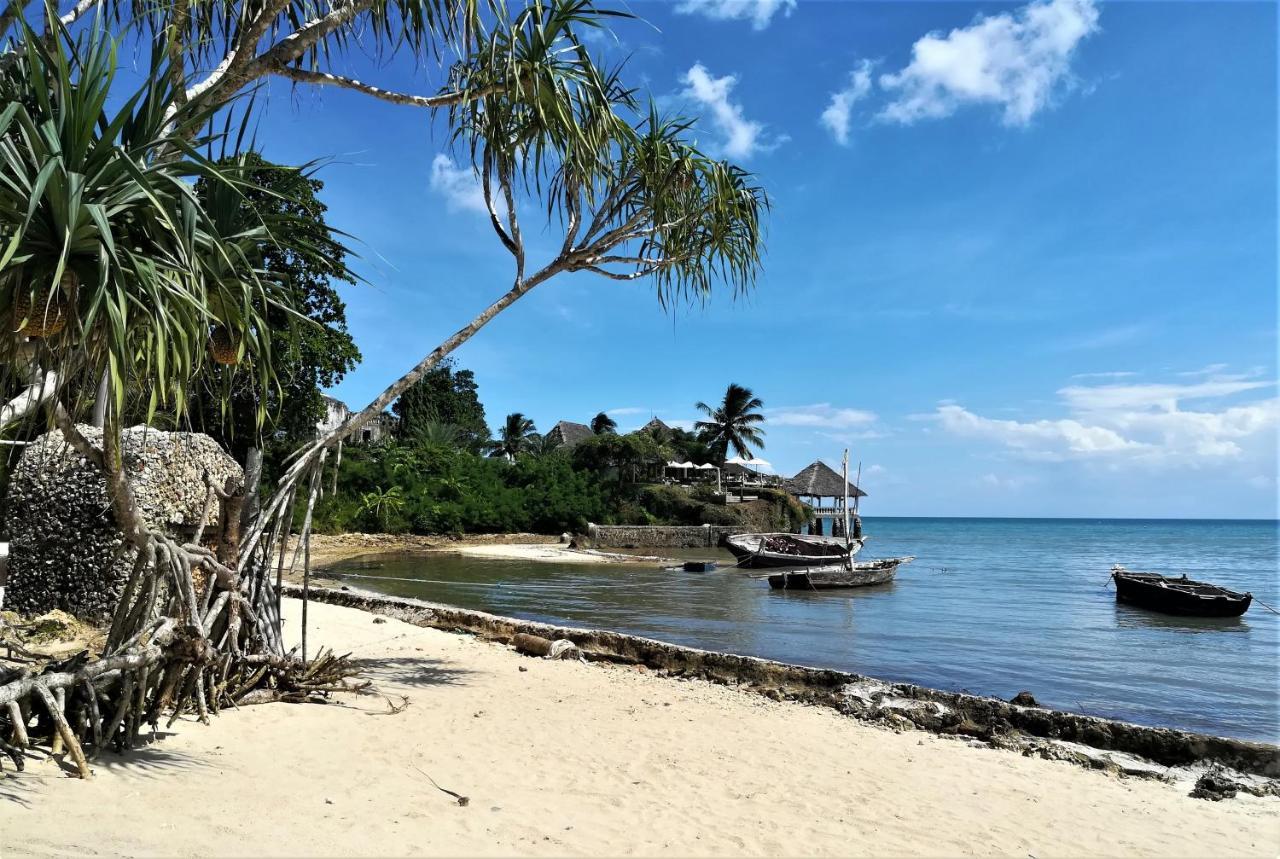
x: 857, y: 483
x: 848, y: 542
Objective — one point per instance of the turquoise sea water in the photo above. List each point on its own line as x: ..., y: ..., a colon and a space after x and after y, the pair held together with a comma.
x: 992, y: 606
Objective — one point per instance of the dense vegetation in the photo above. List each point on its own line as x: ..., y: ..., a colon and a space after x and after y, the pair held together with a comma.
x: 433, y: 477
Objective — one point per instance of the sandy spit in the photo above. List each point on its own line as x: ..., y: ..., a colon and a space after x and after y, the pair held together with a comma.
x: 566, y: 758
x: 328, y: 550
x: 556, y: 553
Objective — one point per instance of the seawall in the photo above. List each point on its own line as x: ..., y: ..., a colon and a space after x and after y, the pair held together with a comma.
x: 659, y: 536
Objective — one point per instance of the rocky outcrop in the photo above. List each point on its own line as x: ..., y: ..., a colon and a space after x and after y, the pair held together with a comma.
x: 65, y: 550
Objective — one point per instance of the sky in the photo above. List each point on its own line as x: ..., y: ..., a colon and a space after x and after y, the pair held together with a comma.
x: 1021, y: 259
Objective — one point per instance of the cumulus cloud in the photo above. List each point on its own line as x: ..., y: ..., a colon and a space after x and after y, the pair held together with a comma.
x: 1043, y: 439
x: 742, y: 137
x: 458, y: 185
x: 1017, y: 61
x: 759, y: 12
x: 838, y: 117
x: 821, y: 416
x: 1143, y: 424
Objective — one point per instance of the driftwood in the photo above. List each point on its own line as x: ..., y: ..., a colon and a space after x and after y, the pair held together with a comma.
x: 197, y: 628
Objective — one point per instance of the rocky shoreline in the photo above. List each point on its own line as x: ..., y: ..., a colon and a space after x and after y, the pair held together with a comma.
x: 1225, y: 765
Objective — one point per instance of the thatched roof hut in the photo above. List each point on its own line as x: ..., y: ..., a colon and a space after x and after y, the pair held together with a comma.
x: 655, y: 426
x: 566, y: 434
x: 819, y: 480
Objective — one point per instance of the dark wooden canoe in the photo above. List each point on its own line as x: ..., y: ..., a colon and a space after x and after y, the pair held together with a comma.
x: 858, y: 575
x: 758, y: 551
x: 1178, y: 595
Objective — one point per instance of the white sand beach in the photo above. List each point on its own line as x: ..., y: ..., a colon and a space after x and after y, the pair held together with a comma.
x: 567, y: 758
x: 555, y: 552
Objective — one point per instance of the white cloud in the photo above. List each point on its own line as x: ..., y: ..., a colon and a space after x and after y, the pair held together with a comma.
x: 628, y: 410
x: 759, y: 12
x: 458, y: 185
x: 820, y: 415
x: 1017, y: 61
x: 1138, y: 424
x: 1114, y: 374
x: 742, y: 137
x: 1043, y: 439
x: 838, y: 116
x: 1012, y: 482
x: 1085, y: 398
x: 1210, y: 370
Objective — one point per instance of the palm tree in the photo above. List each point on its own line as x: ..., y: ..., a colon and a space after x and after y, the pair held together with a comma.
x: 602, y: 424
x: 733, y: 425
x: 381, y: 503
x: 518, y: 434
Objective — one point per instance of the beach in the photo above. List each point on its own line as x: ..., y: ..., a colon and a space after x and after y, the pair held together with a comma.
x: 569, y: 758
x: 327, y: 550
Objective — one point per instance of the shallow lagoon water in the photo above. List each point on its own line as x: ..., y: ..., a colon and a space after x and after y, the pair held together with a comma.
x: 991, y: 606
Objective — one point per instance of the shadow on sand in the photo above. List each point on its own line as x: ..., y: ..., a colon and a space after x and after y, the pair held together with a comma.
x: 150, y: 760
x: 411, y: 671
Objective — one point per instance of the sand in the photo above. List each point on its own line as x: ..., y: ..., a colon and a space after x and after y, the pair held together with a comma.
x: 555, y: 553
x: 570, y: 758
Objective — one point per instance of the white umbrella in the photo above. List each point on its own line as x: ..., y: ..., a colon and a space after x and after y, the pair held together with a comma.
x: 705, y: 466
x: 759, y: 463
x: 737, y: 460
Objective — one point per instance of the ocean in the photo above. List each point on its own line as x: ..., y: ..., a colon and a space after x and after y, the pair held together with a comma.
x: 990, y: 606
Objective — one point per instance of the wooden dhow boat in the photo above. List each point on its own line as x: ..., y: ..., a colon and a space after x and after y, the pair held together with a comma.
x: 858, y: 574
x: 1181, y: 595
x: 778, y: 550
x: 758, y: 551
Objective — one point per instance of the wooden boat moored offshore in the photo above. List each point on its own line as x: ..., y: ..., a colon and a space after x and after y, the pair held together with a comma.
x: 789, y: 550
x: 1182, y: 595
x: 856, y: 575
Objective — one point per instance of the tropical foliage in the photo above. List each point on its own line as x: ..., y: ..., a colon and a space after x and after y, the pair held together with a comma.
x: 602, y: 424
x: 516, y: 436
x: 108, y: 258
x: 734, y: 424
x: 445, y: 396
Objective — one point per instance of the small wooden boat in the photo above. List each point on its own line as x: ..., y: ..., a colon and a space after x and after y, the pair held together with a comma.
x: 789, y: 550
x: 859, y: 574
x: 1177, y: 595
x: 698, y: 566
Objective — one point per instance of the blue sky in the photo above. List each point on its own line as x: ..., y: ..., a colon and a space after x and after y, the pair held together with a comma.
x: 1021, y: 261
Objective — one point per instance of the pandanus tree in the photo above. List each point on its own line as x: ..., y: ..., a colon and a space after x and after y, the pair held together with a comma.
x: 545, y: 131
x: 631, y: 197
x: 118, y: 277
x: 734, y: 424
x: 518, y: 434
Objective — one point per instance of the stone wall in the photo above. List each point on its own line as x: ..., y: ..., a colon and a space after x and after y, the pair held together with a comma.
x: 659, y: 536
x: 65, y: 549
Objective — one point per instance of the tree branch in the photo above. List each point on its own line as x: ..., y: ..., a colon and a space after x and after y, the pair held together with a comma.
x: 29, y: 400
x: 486, y: 188
x: 447, y: 99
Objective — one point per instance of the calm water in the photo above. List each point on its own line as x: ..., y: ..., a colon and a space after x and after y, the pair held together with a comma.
x: 992, y: 606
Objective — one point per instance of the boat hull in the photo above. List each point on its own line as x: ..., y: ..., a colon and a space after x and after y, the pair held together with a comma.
x: 1178, y: 596
x: 838, y: 576
x: 809, y: 552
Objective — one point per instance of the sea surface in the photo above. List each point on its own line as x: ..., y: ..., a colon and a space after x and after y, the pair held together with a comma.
x: 990, y: 606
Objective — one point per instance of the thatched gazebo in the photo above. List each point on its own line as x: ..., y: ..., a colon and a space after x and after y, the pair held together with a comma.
x: 819, y: 481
